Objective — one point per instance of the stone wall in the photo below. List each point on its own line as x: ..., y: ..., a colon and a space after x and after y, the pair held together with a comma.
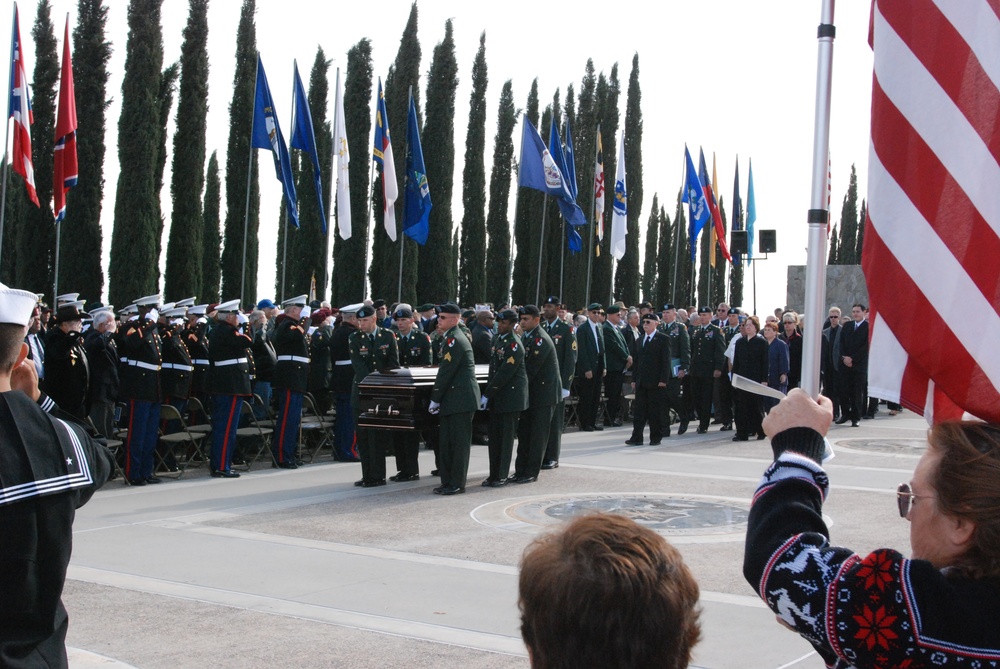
x: 845, y: 285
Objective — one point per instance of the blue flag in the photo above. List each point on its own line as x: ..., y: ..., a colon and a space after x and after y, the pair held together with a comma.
x: 694, y: 195
x: 737, y: 207
x: 570, y: 162
x: 418, y: 194
x: 540, y: 171
x: 751, y: 214
x: 267, y: 135
x: 304, y: 137
x: 566, y: 199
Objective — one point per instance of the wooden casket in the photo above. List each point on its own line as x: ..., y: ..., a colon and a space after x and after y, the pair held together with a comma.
x: 399, y: 399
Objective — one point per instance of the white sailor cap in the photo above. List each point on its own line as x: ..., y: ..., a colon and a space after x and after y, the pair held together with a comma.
x: 148, y: 301
x: 94, y: 312
x: 306, y: 312
x: 186, y: 302
x: 175, y: 312
x: 351, y: 308
x: 66, y: 297
x: 298, y: 301
x: 16, y: 306
x: 130, y: 309
x: 230, y: 307
x: 197, y: 310
x: 166, y: 306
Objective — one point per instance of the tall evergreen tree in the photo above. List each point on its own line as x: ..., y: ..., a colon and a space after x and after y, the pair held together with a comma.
x: 13, y: 220
x: 211, y: 259
x: 35, y: 234
x: 608, y: 92
x: 80, y: 266
x: 134, y: 269
x: 704, y: 269
x: 472, y: 281
x: 348, y: 276
x: 242, y: 220
x: 307, y: 244
x: 833, y: 256
x: 498, y: 256
x: 849, y: 223
x: 435, y: 280
x: 403, y: 78
x: 683, y: 290
x: 529, y: 211
x: 665, y: 261
x: 584, y: 144
x: 650, y: 261
x: 627, y: 277
x: 736, y: 270
x: 165, y: 100
x: 185, y: 247
x: 861, y: 231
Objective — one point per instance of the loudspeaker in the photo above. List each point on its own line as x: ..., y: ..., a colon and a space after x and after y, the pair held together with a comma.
x: 768, y: 241
x: 738, y: 242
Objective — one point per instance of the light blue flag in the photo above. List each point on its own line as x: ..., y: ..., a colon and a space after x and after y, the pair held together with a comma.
x: 751, y: 214
x: 267, y: 135
x: 694, y: 195
x: 417, y: 207
x: 304, y: 136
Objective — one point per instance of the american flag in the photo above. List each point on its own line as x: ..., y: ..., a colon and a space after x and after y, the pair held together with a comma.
x: 933, y: 228
x: 19, y: 108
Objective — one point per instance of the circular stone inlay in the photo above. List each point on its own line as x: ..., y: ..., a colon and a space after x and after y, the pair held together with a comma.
x: 904, y: 446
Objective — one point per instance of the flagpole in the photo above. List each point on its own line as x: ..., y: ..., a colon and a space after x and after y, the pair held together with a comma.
x: 333, y: 196
x: 818, y: 215
x: 368, y: 230
x: 517, y: 203
x: 246, y: 207
x: 6, y: 154
x: 593, y: 221
x: 541, y: 245
x: 399, y: 290
x: 562, y: 257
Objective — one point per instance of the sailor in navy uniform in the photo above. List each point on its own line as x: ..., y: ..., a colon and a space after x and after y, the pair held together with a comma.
x: 291, y: 379
x: 142, y: 357
x: 228, y: 383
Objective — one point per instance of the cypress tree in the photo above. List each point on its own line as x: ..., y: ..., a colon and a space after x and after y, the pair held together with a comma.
x: 211, y: 260
x: 435, y: 280
x: 281, y: 287
x: 80, y: 266
x: 683, y: 290
x: 704, y: 268
x: 134, y: 269
x: 847, y: 248
x: 14, y: 219
x: 185, y: 247
x: 239, y: 159
x: 348, y: 277
x: 862, y: 221
x: 498, y: 260
x: 649, y: 275
x: 307, y: 245
x: 35, y: 235
x: 404, y: 77
x: 529, y: 211
x: 165, y: 99
x: 834, y: 253
x: 627, y: 277
x: 472, y: 281
x: 665, y: 261
x: 608, y: 92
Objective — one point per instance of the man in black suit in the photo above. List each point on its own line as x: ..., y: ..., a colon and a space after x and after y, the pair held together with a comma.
x: 590, y: 367
x: 650, y: 376
x: 830, y: 365
x: 854, y: 358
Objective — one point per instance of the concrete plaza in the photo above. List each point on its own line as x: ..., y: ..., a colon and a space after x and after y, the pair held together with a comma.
x: 302, y: 569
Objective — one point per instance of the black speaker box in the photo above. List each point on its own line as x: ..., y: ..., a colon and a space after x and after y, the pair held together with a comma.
x: 738, y: 242
x: 768, y: 241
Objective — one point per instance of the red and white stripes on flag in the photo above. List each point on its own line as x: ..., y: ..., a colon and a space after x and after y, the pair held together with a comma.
x: 829, y: 193
x: 932, y: 238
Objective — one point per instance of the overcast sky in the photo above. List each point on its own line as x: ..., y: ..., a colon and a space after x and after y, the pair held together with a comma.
x: 734, y: 77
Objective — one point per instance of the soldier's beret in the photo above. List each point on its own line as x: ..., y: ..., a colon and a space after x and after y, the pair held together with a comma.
x: 507, y: 315
x: 595, y: 306
x: 552, y: 299
x: 668, y: 307
x: 645, y: 305
x: 529, y: 310
x: 425, y: 307
x: 366, y: 311
x: 735, y: 310
x: 614, y: 309
x: 378, y: 304
x: 402, y: 312
x: 317, y: 317
x: 705, y: 310
x: 651, y: 316
x: 449, y: 308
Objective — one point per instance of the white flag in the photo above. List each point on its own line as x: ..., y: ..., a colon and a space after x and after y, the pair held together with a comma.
x: 619, y: 215
x: 342, y: 160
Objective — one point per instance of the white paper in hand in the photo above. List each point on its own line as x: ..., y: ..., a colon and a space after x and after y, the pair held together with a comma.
x: 745, y: 384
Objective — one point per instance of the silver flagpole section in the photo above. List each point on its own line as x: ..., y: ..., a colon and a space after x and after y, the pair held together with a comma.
x: 818, y: 213
x: 517, y: 203
x: 330, y: 219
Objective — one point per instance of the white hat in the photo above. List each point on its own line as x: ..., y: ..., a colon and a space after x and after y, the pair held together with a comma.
x: 186, y: 302
x: 351, y: 308
x: 175, y: 312
x: 197, y: 310
x: 16, y: 306
x: 98, y: 310
x: 299, y: 301
x: 66, y: 297
x: 166, y: 306
x: 230, y: 307
x: 148, y: 301
x: 130, y: 309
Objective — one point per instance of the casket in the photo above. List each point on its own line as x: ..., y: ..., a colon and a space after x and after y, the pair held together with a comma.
x: 399, y: 399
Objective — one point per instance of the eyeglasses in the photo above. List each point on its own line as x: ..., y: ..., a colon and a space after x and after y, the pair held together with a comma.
x: 832, y: 317
x: 905, y: 497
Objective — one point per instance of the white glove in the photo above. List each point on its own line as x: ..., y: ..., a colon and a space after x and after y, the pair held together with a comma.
x: 202, y: 320
x: 435, y: 407
x: 153, y: 315
x: 240, y: 318
x: 306, y: 312
x: 133, y: 318
x: 565, y: 393
x: 483, y: 402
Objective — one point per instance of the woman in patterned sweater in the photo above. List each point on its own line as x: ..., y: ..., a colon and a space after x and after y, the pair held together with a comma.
x: 940, y: 607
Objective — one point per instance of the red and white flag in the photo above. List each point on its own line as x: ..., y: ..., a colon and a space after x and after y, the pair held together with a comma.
x: 932, y: 237
x: 19, y: 109
x: 64, y: 161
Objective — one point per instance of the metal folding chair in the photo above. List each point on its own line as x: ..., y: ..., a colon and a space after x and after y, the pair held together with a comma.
x: 184, y: 445
x: 256, y: 437
x: 315, y: 429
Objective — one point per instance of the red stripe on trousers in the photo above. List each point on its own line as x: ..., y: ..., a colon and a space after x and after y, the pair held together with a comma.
x: 223, y: 460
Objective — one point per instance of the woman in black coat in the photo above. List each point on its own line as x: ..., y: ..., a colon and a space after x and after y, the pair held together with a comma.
x: 750, y: 361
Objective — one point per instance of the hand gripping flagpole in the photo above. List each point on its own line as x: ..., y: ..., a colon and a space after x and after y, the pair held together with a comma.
x: 818, y: 213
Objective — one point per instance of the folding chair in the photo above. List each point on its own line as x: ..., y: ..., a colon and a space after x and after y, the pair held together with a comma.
x: 259, y: 437
x: 184, y: 444
x: 313, y: 427
x: 572, y: 418
x: 196, y: 410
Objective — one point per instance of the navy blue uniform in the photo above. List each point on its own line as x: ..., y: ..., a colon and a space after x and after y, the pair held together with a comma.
x: 140, y: 387
x: 229, y: 383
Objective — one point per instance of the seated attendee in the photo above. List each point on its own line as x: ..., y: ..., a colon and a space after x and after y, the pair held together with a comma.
x: 937, y: 608
x: 607, y: 593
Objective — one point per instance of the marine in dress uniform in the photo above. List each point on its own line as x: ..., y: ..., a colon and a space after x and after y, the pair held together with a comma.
x: 291, y: 379
x: 564, y: 340
x: 228, y: 384
x: 414, y: 351
x: 67, y: 369
x: 342, y: 383
x: 651, y: 376
x: 590, y: 366
x: 544, y: 391
x: 708, y: 360
x: 177, y: 370
x: 505, y: 397
x: 48, y: 468
x: 680, y: 362
x: 373, y: 349
x: 455, y: 398
x: 142, y: 355
x: 618, y: 360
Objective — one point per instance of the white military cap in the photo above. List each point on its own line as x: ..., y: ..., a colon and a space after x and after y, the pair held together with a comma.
x: 230, y: 307
x: 186, y: 302
x: 66, y: 297
x: 167, y: 306
x: 98, y: 310
x: 197, y: 310
x: 298, y: 301
x: 16, y: 306
x: 130, y: 309
x: 175, y: 312
x: 148, y: 301
x: 351, y: 308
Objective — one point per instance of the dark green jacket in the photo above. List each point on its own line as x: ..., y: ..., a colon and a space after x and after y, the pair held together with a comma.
x: 373, y: 353
x: 455, y: 387
x: 591, y: 354
x: 617, y: 349
x: 680, y: 345
x: 564, y: 340
x: 544, y: 386
x: 708, y: 351
x: 507, y: 386
x: 415, y: 348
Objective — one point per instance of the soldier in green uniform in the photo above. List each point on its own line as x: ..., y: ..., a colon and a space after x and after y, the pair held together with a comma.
x: 373, y: 349
x: 565, y: 343
x: 708, y: 360
x: 544, y: 391
x: 455, y: 398
x: 506, y: 396
x: 618, y: 359
x: 680, y: 361
x: 414, y: 351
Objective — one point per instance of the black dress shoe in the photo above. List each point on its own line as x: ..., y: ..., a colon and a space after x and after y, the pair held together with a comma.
x: 225, y: 474
x: 550, y: 464
x: 395, y: 477
x: 374, y: 483
x: 841, y: 420
x: 741, y: 437
x: 437, y: 491
x: 854, y: 423
x: 702, y: 430
x: 655, y: 443
x: 616, y: 423
x: 153, y: 479
x: 434, y: 472
x: 494, y: 483
x: 449, y: 490
x: 299, y: 463
x: 633, y: 442
x: 287, y: 465
x: 726, y: 427
x: 597, y: 428
x: 405, y: 478
x: 137, y: 481
x: 525, y: 479
x: 587, y: 429
x: 683, y: 428
x: 359, y: 483
x: 761, y: 436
